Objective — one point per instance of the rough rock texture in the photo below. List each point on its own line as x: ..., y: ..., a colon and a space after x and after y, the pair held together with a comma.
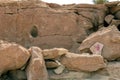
x: 48, y: 25
x: 96, y: 14
x: 12, y: 56
x: 109, y: 18
x: 36, y: 70
x: 60, y: 69
x: 109, y: 37
x: 51, y: 64
x: 114, y: 69
x: 97, y: 48
x: 54, y: 53
x: 39, y: 24
x: 83, y: 62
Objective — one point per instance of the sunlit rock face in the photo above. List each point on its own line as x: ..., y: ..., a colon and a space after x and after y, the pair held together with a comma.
x: 48, y: 25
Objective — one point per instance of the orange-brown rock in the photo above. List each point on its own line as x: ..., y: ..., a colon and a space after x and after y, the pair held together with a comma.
x: 54, y: 53
x: 36, y: 70
x: 94, y: 13
x: 13, y: 56
x: 79, y: 62
x: 109, y: 37
x: 32, y: 23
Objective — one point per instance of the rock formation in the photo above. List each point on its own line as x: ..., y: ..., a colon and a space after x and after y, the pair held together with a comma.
x: 12, y: 56
x: 109, y: 37
x: 47, y: 41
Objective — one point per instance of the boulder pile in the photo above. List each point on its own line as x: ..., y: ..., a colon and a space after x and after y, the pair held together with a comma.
x: 47, y: 41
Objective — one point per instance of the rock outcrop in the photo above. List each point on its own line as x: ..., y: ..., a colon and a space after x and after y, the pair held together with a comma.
x: 58, y: 31
x: 39, y: 24
x: 12, y: 56
x: 109, y: 37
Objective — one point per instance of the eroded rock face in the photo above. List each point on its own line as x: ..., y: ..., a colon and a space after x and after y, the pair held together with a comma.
x: 94, y: 14
x: 13, y: 56
x: 79, y: 62
x: 109, y: 37
x: 41, y: 24
x: 36, y: 70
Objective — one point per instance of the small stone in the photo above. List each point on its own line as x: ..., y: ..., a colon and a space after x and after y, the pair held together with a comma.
x: 109, y: 18
x: 51, y: 64
x: 60, y: 69
x: 97, y: 48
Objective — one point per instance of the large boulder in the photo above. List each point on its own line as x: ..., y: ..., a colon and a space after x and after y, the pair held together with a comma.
x: 12, y: 56
x: 79, y: 62
x: 109, y: 37
x: 36, y: 70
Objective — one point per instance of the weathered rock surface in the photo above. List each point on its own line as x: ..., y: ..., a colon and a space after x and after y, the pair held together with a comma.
x: 116, y: 23
x: 109, y: 37
x: 79, y: 62
x: 36, y: 70
x: 49, y: 25
x: 41, y: 24
x: 97, y: 48
x: 59, y: 70
x: 54, y: 53
x: 12, y: 56
x: 113, y: 69
x: 51, y: 64
x: 109, y: 18
x: 96, y: 13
